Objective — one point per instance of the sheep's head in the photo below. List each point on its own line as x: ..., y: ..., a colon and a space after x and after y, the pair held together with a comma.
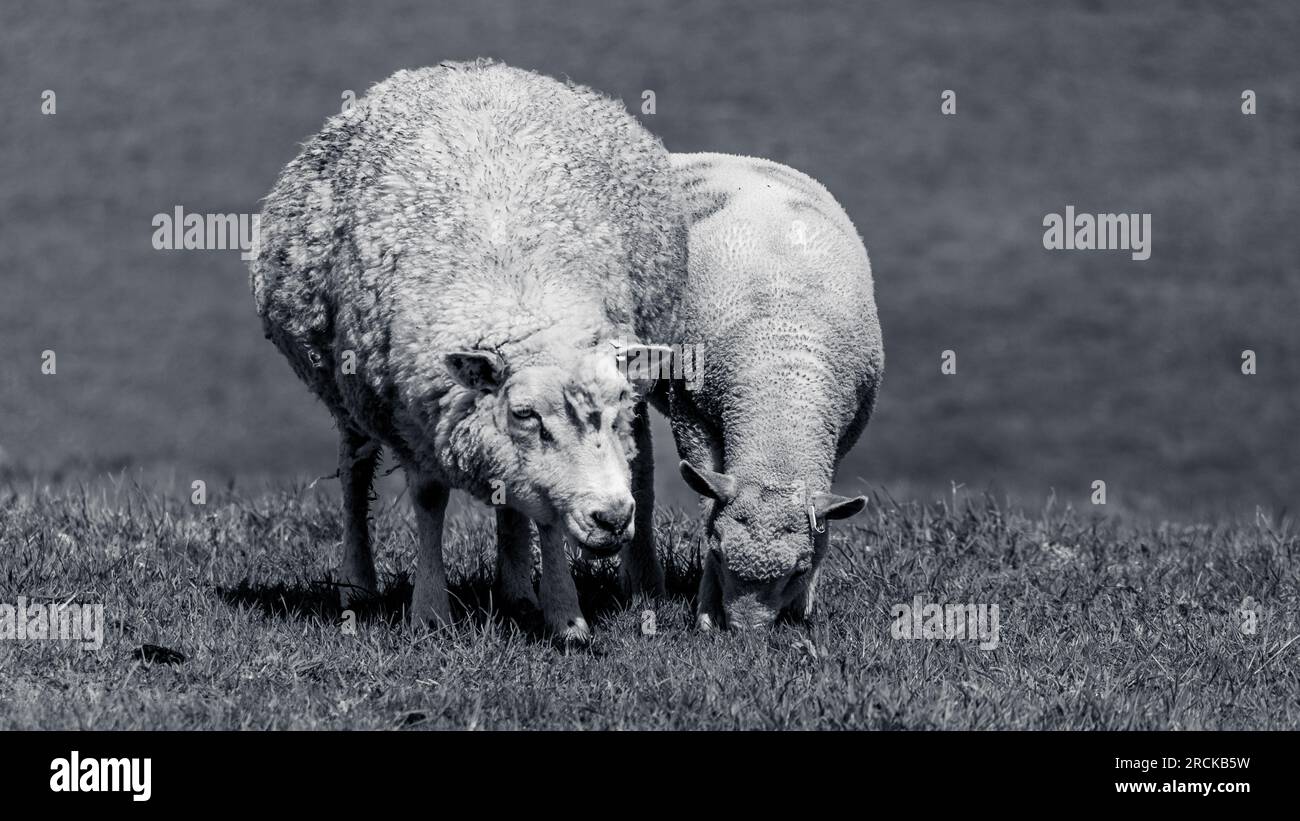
x: 560, y: 440
x: 765, y: 545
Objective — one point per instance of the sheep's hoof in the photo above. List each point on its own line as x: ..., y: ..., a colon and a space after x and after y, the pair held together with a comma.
x: 522, y: 611
x: 704, y: 623
x: 575, y: 633
x: 433, y: 621
x: 802, y: 608
x: 433, y: 615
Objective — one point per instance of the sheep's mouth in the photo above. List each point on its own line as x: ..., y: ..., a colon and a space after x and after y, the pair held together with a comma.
x: 590, y: 553
x: 594, y: 543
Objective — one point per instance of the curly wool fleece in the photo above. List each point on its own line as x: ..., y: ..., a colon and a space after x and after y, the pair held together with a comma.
x: 463, y: 206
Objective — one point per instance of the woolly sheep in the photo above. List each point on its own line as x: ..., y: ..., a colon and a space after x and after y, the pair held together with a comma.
x: 779, y: 292
x: 446, y: 265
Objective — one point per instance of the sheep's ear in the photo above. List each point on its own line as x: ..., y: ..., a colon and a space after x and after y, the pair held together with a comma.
x: 717, y: 486
x: 643, y: 365
x: 476, y: 370
x: 830, y: 506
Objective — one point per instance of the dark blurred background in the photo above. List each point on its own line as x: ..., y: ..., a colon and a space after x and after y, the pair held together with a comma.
x: 1071, y: 366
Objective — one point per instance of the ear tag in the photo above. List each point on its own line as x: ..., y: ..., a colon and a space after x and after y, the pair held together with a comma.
x: 812, y: 518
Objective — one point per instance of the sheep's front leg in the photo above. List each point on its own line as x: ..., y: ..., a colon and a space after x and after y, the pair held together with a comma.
x: 358, y: 457
x: 698, y: 446
x: 560, y: 608
x: 640, y: 571
x: 802, y: 607
x: 514, y: 585
x: 803, y: 604
x: 430, y: 603
x: 708, y: 602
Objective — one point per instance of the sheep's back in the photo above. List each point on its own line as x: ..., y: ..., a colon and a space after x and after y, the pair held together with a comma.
x: 780, y: 289
x: 459, y: 205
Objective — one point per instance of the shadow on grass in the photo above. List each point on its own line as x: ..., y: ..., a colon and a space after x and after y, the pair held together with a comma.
x: 473, y: 599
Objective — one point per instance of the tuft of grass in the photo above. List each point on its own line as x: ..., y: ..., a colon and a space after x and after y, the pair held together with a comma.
x: 1103, y: 625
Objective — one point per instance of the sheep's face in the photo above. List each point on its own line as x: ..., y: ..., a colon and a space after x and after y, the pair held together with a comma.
x: 765, y: 546
x: 563, y: 438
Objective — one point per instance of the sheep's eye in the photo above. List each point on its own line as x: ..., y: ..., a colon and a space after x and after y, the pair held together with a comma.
x: 530, y: 418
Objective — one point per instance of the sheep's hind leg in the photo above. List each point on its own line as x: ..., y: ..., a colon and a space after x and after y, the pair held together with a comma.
x: 559, y: 597
x: 514, y: 583
x: 430, y: 603
x: 640, y: 571
x: 358, y: 457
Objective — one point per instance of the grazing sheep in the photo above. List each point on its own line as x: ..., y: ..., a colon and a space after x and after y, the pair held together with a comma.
x: 446, y: 266
x: 779, y: 291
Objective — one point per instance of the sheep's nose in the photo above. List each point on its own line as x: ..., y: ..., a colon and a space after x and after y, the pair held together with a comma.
x: 749, y: 618
x: 615, y: 517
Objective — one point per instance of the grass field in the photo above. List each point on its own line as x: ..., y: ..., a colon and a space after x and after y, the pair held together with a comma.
x: 1100, y: 627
